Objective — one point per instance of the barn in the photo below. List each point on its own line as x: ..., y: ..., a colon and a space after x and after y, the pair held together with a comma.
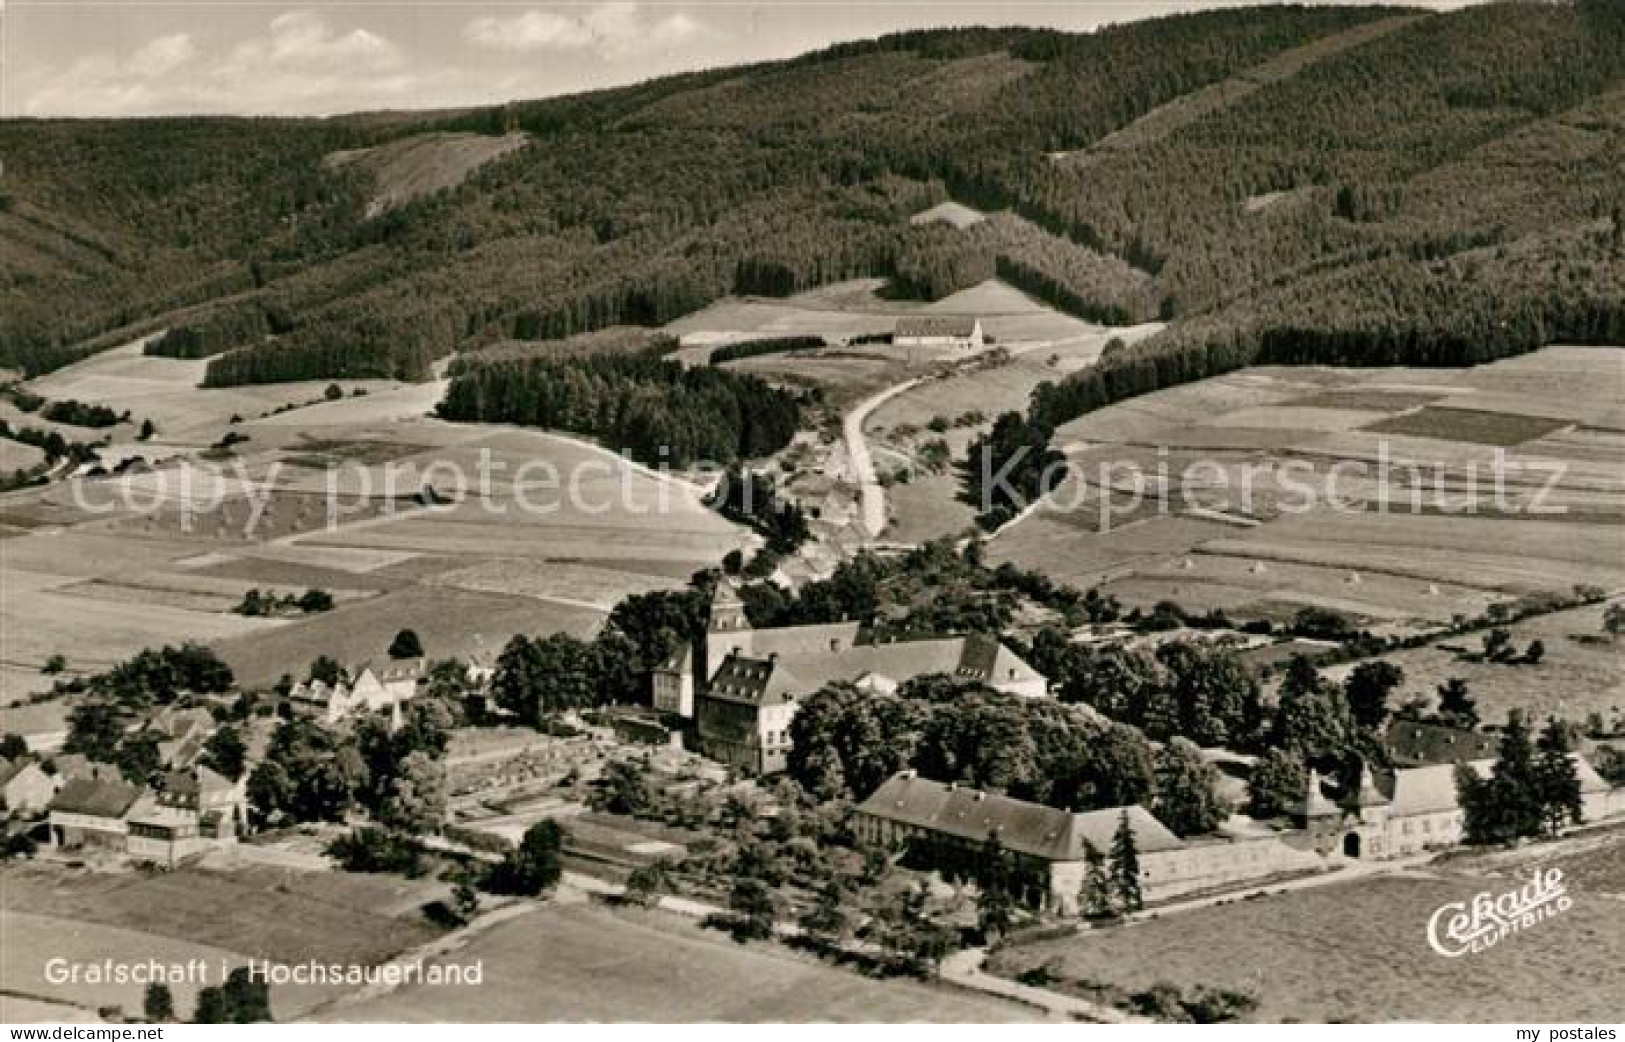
x: 961, y: 331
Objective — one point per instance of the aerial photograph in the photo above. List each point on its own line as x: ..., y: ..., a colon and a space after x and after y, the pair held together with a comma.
x: 620, y: 513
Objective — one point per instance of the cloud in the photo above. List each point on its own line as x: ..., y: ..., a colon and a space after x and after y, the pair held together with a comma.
x: 614, y: 29
x: 161, y: 55
x: 299, y: 62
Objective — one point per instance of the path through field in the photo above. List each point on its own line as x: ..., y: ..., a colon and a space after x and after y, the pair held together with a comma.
x: 862, y: 463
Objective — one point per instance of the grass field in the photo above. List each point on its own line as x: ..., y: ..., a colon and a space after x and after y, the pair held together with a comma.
x: 1574, y: 678
x: 1430, y: 529
x: 1358, y: 951
x: 167, y: 392
x: 546, y: 535
x: 259, y: 912
x: 847, y: 309
x: 579, y: 962
x: 15, y: 455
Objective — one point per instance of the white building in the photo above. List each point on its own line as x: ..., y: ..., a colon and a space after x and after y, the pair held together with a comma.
x: 939, y: 331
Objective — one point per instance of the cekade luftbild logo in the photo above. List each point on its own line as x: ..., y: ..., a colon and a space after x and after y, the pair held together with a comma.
x: 1463, y: 927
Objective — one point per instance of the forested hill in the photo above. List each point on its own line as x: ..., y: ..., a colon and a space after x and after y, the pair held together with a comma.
x: 1288, y: 182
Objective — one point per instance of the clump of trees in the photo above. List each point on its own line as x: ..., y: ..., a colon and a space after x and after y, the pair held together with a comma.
x: 1533, y: 789
x: 256, y: 602
x: 751, y: 499
x: 655, y: 409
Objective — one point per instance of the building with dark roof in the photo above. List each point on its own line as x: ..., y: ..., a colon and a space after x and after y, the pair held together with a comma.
x: 87, y: 812
x: 1411, y: 743
x: 948, y: 826
x: 961, y: 331
x: 743, y: 703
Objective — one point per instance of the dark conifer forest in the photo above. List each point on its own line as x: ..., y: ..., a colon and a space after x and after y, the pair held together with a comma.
x: 1341, y: 185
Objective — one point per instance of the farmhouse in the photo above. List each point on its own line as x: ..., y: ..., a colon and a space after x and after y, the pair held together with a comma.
x: 947, y: 826
x: 742, y: 706
x: 960, y: 331
x: 1411, y: 743
x: 1413, y: 809
x: 373, y: 689
x: 24, y: 788
x: 92, y: 813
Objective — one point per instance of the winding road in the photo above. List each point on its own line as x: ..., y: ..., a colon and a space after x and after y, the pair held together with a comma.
x: 861, y: 462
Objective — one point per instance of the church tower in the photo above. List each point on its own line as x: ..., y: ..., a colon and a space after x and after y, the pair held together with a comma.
x: 727, y: 610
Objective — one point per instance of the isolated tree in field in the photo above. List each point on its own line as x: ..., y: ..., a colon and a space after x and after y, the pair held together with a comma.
x: 225, y: 752
x: 13, y: 746
x: 406, y: 645
x: 1278, y: 780
x: 1368, y: 688
x: 1187, y: 799
x: 313, y: 601
x: 1098, y: 897
x: 158, y: 1005
x: 147, y: 430
x: 1557, y: 778
x: 1534, y: 652
x: 1125, y: 866
x: 1457, y: 706
x: 1613, y: 619
x: 54, y: 664
x: 1498, y: 645
x: 535, y: 866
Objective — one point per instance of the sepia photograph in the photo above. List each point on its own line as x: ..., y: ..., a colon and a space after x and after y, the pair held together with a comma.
x: 636, y: 514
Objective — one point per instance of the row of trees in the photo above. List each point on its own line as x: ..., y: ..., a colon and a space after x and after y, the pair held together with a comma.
x: 1533, y: 789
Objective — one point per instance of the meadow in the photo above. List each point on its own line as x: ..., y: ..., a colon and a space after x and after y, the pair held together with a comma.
x: 1435, y: 534
x: 536, y: 534
x: 1358, y: 951
x: 47, y: 911
x: 584, y: 963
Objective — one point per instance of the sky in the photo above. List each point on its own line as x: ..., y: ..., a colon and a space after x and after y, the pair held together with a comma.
x: 249, y: 57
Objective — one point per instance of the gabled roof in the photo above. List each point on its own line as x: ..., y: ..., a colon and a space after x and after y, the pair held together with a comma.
x: 936, y: 325
x: 1412, y: 743
x: 199, y: 781
x: 1429, y: 790
x: 97, y: 799
x: 9, y: 769
x: 1027, y: 828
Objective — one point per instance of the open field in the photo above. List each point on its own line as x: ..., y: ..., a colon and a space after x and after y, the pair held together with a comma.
x: 579, y: 962
x: 277, y: 914
x: 166, y: 391
x: 848, y: 309
x: 15, y: 455
x: 545, y: 534
x: 1425, y: 526
x: 1358, y: 951
x: 31, y: 941
x: 1574, y: 678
